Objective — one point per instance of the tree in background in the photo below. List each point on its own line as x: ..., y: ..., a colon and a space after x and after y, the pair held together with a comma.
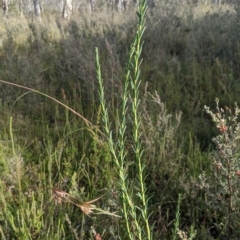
x: 92, y: 4
x: 5, y: 6
x: 37, y: 9
x: 20, y: 7
x: 67, y: 9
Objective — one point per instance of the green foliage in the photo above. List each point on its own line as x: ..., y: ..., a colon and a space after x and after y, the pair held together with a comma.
x: 159, y: 141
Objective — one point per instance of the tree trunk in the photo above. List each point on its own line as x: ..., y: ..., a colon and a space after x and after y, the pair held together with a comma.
x: 20, y: 7
x: 75, y: 5
x: 28, y: 6
x: 92, y: 4
x: 67, y: 9
x: 37, y: 9
x: 5, y: 6
x: 120, y: 5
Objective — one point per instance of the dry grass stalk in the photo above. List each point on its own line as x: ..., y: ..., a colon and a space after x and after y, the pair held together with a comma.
x: 87, y: 208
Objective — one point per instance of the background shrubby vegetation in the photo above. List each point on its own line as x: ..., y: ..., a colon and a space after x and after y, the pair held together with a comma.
x: 190, y: 56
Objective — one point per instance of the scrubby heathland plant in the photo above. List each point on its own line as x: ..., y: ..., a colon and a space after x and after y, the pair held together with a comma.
x: 222, y: 187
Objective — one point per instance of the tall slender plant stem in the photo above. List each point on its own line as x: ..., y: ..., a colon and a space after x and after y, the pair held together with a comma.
x: 177, y: 220
x: 141, y: 229
x: 118, y: 153
x: 135, y: 83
